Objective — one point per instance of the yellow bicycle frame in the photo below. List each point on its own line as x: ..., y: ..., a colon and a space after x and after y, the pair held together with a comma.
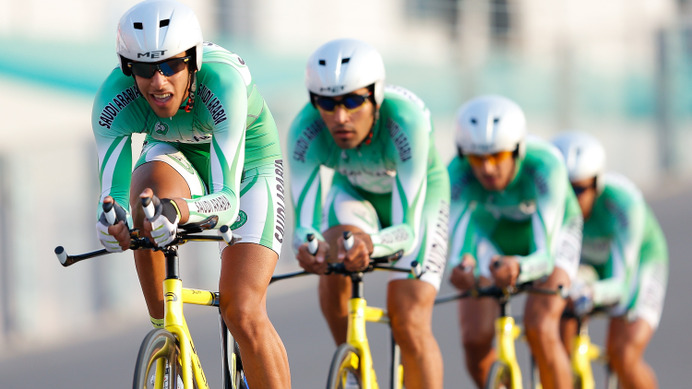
x: 359, y: 313
x: 174, y: 322
x: 582, y: 354
x: 507, y: 331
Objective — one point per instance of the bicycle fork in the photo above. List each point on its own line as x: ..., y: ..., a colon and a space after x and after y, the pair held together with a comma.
x: 507, y: 333
x: 584, y: 352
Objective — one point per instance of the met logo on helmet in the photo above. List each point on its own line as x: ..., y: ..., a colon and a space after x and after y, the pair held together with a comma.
x: 152, y: 54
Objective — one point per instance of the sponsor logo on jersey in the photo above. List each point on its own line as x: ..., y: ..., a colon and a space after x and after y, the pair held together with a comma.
x: 305, y: 138
x: 213, y: 104
x: 240, y: 220
x: 280, y: 207
x: 400, y: 140
x: 116, y: 105
x: 161, y: 128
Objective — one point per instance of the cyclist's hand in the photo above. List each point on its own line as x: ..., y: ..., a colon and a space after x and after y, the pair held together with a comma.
x: 316, y: 263
x: 114, y: 237
x: 163, y: 224
x: 462, y: 275
x: 505, y: 270
x: 581, y: 295
x: 357, y: 257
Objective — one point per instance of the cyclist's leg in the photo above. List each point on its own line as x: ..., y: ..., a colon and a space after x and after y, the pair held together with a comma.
x: 410, y: 302
x: 246, y: 270
x: 627, y: 341
x: 477, y: 325
x: 410, y: 305
x: 541, y: 321
x: 630, y: 333
x: 165, y: 170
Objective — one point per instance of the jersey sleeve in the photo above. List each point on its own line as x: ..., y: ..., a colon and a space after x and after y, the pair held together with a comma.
x: 410, y: 131
x: 305, y: 156
x: 557, y: 208
x: 113, y: 118
x: 226, y: 102
x: 630, y: 213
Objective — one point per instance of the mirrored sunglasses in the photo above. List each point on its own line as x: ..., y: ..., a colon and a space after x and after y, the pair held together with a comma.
x: 493, y: 159
x: 349, y: 101
x: 168, y: 67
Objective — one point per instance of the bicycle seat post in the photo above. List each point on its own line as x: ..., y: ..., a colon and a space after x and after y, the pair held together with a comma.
x: 172, y: 262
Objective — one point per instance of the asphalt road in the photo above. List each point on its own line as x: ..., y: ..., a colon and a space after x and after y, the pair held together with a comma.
x: 106, y: 360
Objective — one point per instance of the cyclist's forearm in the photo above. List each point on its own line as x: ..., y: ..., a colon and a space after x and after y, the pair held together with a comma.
x: 392, y: 239
x: 534, y: 266
x: 221, y: 204
x: 608, y: 291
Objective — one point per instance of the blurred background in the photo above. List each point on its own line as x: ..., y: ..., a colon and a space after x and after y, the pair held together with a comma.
x: 619, y: 69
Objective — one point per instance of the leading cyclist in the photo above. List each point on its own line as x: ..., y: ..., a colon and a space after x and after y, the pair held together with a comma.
x: 514, y: 220
x: 389, y: 186
x: 211, y: 154
x: 625, y: 249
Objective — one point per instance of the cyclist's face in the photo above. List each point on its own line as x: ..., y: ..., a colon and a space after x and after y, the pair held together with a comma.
x: 165, y: 94
x: 586, y: 194
x: 349, y: 127
x: 494, y: 171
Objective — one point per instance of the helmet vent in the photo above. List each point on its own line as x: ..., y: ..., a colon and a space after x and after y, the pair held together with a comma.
x: 164, y: 22
x: 473, y: 121
x: 345, y: 60
x: 138, y: 26
x: 323, y: 62
x: 496, y: 120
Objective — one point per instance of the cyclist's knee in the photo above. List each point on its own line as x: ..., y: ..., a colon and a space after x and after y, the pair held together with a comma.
x: 242, y: 318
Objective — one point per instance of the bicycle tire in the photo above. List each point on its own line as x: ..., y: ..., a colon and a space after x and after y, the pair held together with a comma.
x: 345, y: 368
x: 535, y: 375
x: 157, y: 344
x: 611, y: 379
x: 500, y: 376
x: 233, y: 372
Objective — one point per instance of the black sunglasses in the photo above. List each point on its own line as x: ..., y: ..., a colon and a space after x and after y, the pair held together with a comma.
x: 349, y: 101
x: 578, y: 190
x: 168, y: 67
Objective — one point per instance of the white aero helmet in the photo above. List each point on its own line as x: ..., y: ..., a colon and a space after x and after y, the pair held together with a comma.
x: 155, y: 30
x: 584, y: 156
x: 489, y: 124
x: 344, y: 65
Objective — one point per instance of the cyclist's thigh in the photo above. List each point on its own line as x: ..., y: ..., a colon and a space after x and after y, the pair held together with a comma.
x: 541, y: 307
x: 430, y: 250
x: 167, y: 171
x: 262, y: 215
x: 624, y: 334
x: 477, y: 319
x: 410, y: 301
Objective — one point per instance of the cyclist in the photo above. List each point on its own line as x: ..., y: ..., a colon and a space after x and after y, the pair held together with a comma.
x: 389, y: 187
x: 514, y: 220
x: 625, y: 249
x: 211, y: 154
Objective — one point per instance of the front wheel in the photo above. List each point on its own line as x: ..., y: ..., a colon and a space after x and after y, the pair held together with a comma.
x: 500, y: 376
x: 344, y: 372
x: 158, y: 359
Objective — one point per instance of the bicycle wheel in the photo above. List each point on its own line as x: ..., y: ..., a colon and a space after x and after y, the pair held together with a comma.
x: 158, y: 345
x: 611, y: 379
x: 344, y: 372
x: 500, y: 377
x: 233, y: 373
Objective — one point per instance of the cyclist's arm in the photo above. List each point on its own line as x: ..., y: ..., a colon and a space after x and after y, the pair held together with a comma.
x: 228, y: 117
x: 557, y: 207
x: 112, y: 125
x: 411, y: 149
x: 629, y: 214
x: 305, y: 152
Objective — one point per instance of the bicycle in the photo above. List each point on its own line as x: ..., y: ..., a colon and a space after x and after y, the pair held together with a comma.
x: 168, y: 354
x: 584, y: 352
x: 352, y: 362
x: 505, y: 372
